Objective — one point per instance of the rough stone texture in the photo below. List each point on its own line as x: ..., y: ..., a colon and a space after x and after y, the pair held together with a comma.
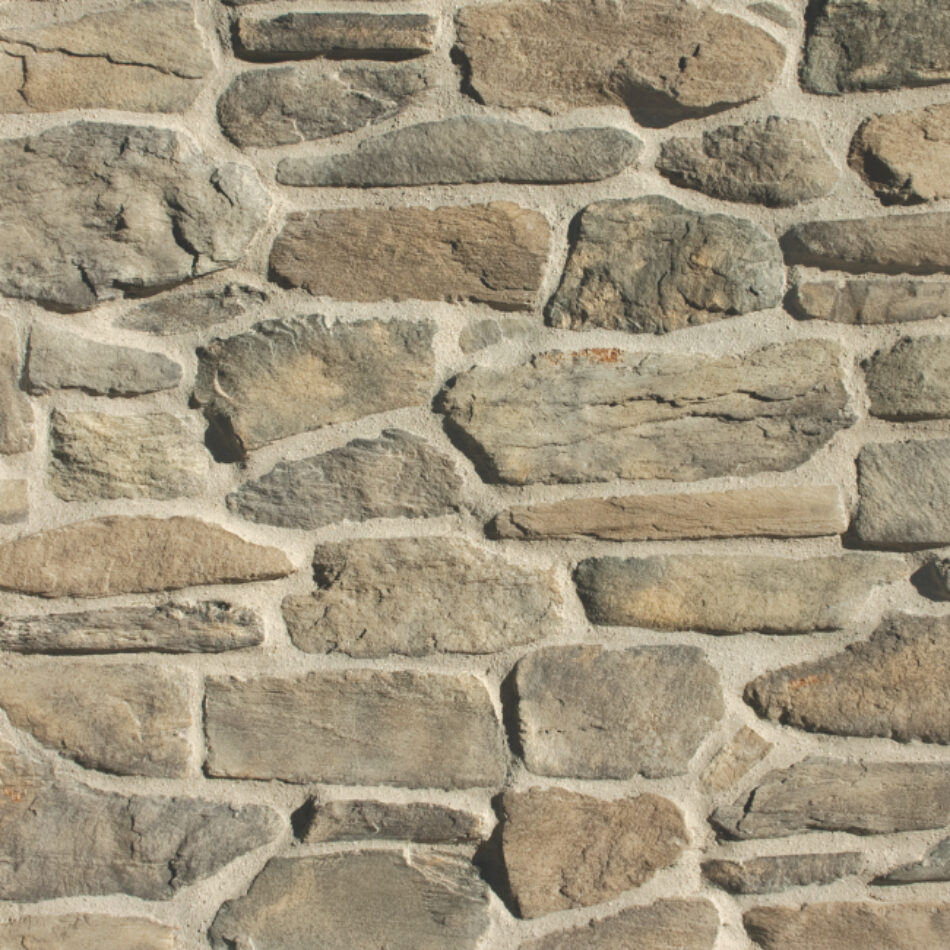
x: 588, y: 712
x: 774, y: 12
x: 649, y: 265
x: 185, y: 310
x: 909, y: 381
x: 130, y: 719
x: 123, y: 555
x: 94, y: 455
x: 662, y: 59
x: 87, y: 932
x: 296, y: 374
x: 732, y: 593
x: 14, y: 500
x: 469, y: 149
x: 744, y: 750
x: 597, y: 415
x: 871, y: 302
x: 781, y: 871
x: 488, y: 332
x: 136, y: 210
x: 417, y: 902
x: 862, y: 798
x: 797, y: 512
x: 16, y: 415
x: 934, y: 866
x: 416, y: 596
x: 776, y: 162
x: 287, y: 104
x: 933, y: 578
x: 489, y: 253
x: 564, y: 850
x: 415, y: 729
x: 893, y: 685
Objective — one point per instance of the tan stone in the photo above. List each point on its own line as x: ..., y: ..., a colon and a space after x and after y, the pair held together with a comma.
x: 87, y: 932
x: 870, y: 302
x: 16, y: 415
x: 744, y: 750
x: 14, y: 500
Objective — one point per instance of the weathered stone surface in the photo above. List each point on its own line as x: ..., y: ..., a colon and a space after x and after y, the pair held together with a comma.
x: 415, y: 729
x: 14, y: 500
x: 564, y: 850
x: 491, y: 253
x: 774, y: 12
x: 649, y: 265
x: 933, y: 578
x: 398, y: 475
x: 862, y: 45
x: 870, y: 302
x: 16, y: 416
x: 597, y: 415
x: 933, y: 867
x: 185, y: 310
x: 862, y: 798
x: 469, y: 149
x: 908, y: 382
x: 415, y: 596
x: 287, y: 104
x: 141, y: 57
x: 87, y: 932
x: 645, y: 56
x: 206, y: 627
x: 488, y: 332
x: 732, y: 593
x: 93, y: 455
x: 131, y: 719
x: 91, y: 211
x: 296, y: 374
x: 744, y: 750
x: 420, y: 902
x: 781, y: 871
x: 778, y: 512
x: 776, y: 162
x: 124, y: 555
x: 588, y: 712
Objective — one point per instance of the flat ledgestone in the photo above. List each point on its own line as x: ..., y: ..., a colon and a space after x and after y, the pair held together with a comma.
x: 743, y: 751
x: 490, y: 253
x: 16, y: 414
x: 597, y: 415
x: 87, y: 931
x: 781, y: 871
x: 183, y: 311
x: 14, y: 500
x: 908, y: 382
x: 934, y: 866
x: 417, y: 596
x: 871, y: 302
x: 469, y: 149
x: 649, y: 265
x: 593, y: 713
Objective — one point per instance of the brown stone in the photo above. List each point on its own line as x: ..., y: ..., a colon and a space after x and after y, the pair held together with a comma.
x: 871, y: 302
x: 744, y: 750
x: 87, y: 932
x: 16, y: 414
x: 781, y: 871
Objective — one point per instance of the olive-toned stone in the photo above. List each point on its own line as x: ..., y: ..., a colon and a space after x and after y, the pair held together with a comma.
x: 744, y: 750
x: 781, y: 871
x: 182, y: 311
x: 87, y: 932
x: 908, y: 382
x: 871, y: 302
x: 16, y: 415
x: 14, y: 500
x: 934, y: 866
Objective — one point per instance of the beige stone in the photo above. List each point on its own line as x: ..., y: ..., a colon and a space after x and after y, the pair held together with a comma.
x: 743, y: 751
x: 16, y: 415
x: 870, y: 302
x: 14, y: 500
x: 87, y: 932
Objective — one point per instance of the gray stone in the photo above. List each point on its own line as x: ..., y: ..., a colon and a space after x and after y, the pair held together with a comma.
x: 414, y: 902
x: 908, y: 382
x: 744, y: 750
x: 736, y: 593
x: 14, y: 500
x: 296, y: 374
x: 488, y: 332
x: 16, y: 415
x: 781, y: 871
x: 87, y: 932
x: 649, y: 265
x: 416, y: 596
x: 92, y: 211
x: 933, y: 578
x: 934, y: 866
x: 592, y: 713
x: 469, y: 149
x: 776, y: 162
x: 775, y: 13
x: 362, y: 727
x: 597, y: 415
x: 182, y: 311
x: 398, y: 475
x: 870, y: 302
x: 861, y: 798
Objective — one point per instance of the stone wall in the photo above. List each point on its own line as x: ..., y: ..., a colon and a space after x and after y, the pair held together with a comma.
x: 474, y: 476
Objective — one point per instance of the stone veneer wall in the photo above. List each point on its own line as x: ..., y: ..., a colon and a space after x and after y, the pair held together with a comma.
x: 378, y: 571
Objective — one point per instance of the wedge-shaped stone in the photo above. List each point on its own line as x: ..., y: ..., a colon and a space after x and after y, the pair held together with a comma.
x: 781, y: 871
x: 358, y: 728
x: 870, y: 302
x: 491, y: 253
x: 14, y: 500
x: 182, y: 311
x: 732, y: 593
x: 469, y: 149
x: 16, y: 415
x: 862, y: 798
x: 398, y: 475
x: 649, y: 265
x: 909, y: 381
x: 564, y: 850
x: 597, y: 415
x: 421, y: 902
x: 744, y: 750
x: 662, y: 59
x: 125, y: 555
x: 296, y: 374
x: 416, y: 596
x: 933, y: 867
x: 588, y: 712
x: 87, y: 932
x: 91, y: 211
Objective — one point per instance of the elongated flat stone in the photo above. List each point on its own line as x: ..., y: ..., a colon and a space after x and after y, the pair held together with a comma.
x: 16, y: 414
x: 596, y: 415
x: 774, y: 12
x: 468, y: 149
x: 870, y: 302
x: 908, y: 381
x: 182, y: 311
x: 781, y: 871
x: 934, y: 866
x: 88, y: 932
x: 14, y: 500
x: 744, y: 750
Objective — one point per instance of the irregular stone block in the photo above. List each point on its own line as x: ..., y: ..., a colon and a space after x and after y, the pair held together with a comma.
x: 597, y: 415
x: 469, y: 149
x: 649, y: 265
x: 296, y: 374
x: 415, y: 902
x: 14, y: 500
x: 482, y: 333
x: 415, y: 729
x: 588, y: 712
x: 491, y: 253
x: 933, y: 867
x: 185, y: 310
x: 564, y: 850
x: 397, y: 475
x: 646, y: 56
x: 93, y: 211
x: 416, y: 596
x: 744, y: 750
x: 87, y: 932
x: 732, y: 593
x: 871, y: 302
x: 781, y: 871
x: 909, y: 382
x: 127, y: 555
x: 16, y: 414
